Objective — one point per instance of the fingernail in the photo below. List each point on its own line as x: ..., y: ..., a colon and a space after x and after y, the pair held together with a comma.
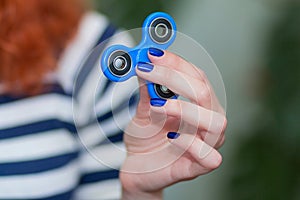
x: 145, y: 67
x: 157, y: 102
x: 156, y: 52
x: 173, y: 135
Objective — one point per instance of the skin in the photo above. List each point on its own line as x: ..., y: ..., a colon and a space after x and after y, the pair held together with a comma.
x: 153, y: 161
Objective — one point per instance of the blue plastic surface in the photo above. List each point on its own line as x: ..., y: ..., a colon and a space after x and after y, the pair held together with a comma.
x: 139, y: 53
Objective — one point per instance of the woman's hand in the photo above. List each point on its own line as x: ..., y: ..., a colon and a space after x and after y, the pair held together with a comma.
x: 174, y: 140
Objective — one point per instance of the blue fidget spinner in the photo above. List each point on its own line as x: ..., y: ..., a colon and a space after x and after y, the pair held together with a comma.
x: 118, y: 62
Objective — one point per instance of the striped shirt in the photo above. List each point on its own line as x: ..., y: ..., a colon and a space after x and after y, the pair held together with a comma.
x: 66, y: 143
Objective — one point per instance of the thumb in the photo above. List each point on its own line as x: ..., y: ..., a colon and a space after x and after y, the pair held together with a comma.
x: 144, y: 102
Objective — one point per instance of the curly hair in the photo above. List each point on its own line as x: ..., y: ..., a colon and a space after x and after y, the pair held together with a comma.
x: 33, y: 35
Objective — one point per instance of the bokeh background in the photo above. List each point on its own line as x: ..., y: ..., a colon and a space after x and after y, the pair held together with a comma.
x: 256, y: 45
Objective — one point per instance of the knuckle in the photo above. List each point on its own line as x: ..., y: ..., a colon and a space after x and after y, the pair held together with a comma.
x: 201, y: 73
x: 217, y: 162
x: 225, y: 123
x: 164, y: 76
x: 221, y: 123
x: 204, y: 94
x: 221, y: 142
x: 160, y: 76
x: 168, y: 74
x: 177, y: 61
x: 174, y: 108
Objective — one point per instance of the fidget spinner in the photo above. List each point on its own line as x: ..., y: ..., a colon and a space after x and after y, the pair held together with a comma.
x: 118, y: 62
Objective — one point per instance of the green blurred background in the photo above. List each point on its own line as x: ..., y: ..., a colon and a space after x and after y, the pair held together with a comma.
x: 256, y: 45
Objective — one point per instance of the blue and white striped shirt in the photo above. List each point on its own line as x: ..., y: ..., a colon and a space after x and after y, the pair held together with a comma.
x: 67, y: 143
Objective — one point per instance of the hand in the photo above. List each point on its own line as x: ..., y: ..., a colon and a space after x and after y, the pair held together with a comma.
x: 178, y: 140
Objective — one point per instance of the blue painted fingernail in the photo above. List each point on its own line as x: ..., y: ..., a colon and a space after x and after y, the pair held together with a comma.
x: 145, y: 67
x: 173, y: 135
x: 157, y: 102
x: 156, y: 52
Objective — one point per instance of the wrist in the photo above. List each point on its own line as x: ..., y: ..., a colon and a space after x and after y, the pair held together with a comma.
x: 133, y: 195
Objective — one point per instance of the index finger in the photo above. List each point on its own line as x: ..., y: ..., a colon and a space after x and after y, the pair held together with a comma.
x: 174, y: 61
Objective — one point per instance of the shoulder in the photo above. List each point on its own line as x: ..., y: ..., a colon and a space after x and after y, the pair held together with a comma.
x: 92, y: 29
x: 79, y: 71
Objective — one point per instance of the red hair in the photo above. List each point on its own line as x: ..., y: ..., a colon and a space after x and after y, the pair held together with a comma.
x: 33, y: 33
